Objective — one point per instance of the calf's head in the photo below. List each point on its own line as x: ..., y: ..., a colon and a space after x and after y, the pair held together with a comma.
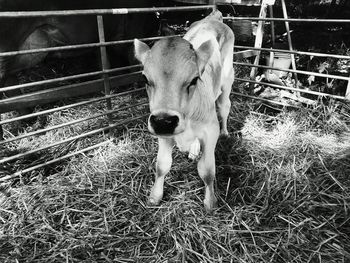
x: 173, y: 71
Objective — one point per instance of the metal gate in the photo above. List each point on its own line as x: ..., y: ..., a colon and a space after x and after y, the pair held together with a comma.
x: 104, y: 83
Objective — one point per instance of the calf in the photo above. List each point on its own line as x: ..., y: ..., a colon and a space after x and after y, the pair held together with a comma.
x: 186, y: 79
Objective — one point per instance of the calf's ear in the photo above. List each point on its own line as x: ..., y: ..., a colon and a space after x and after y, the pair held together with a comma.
x: 141, y: 50
x: 204, y: 52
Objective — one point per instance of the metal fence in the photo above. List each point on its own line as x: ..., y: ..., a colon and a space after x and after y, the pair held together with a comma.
x: 106, y: 82
x: 294, y: 52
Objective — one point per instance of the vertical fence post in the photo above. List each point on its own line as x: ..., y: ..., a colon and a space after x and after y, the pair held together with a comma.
x: 104, y: 64
x: 285, y: 15
x: 259, y: 39
x: 273, y: 35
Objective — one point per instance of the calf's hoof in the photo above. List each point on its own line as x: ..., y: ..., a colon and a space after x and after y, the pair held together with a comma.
x: 154, y: 198
x: 224, y: 132
x: 152, y: 202
x: 210, y: 204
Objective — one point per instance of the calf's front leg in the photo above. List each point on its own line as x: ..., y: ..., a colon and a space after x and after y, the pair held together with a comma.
x: 163, y: 165
x: 206, y: 165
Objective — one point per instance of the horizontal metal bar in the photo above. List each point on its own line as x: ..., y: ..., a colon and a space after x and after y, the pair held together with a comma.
x: 70, y: 123
x: 73, y: 77
x: 36, y: 114
x: 87, y: 134
x: 312, y: 20
x: 238, y: 2
x: 263, y: 99
x: 79, y: 46
x: 45, y: 96
x: 295, y: 71
x: 295, y: 52
x: 35, y: 167
x: 51, y: 49
x: 114, y: 11
x: 292, y: 89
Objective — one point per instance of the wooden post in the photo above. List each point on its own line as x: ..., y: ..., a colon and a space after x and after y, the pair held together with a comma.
x: 273, y: 35
x: 259, y: 38
x: 285, y: 15
x: 104, y: 64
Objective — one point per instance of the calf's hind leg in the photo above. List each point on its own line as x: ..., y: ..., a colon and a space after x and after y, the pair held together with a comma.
x: 223, y: 102
x: 227, y: 77
x: 163, y: 165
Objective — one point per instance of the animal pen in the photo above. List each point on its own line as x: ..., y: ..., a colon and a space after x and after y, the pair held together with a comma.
x: 107, y: 83
x: 283, y: 184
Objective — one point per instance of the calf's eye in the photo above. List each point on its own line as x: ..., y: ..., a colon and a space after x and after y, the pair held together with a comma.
x: 192, y: 83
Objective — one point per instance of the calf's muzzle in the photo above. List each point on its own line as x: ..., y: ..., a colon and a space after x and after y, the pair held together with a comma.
x: 163, y: 123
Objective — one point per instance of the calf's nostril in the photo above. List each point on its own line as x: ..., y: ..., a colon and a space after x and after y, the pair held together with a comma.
x: 164, y: 123
x: 152, y: 119
x: 171, y: 120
